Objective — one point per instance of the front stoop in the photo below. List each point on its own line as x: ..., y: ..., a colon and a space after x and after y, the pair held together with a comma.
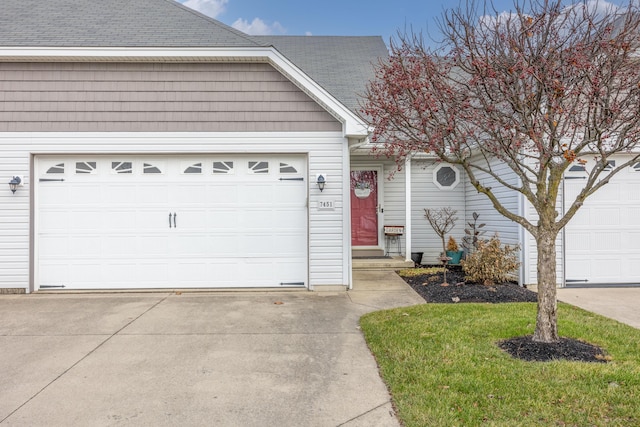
x: 394, y: 263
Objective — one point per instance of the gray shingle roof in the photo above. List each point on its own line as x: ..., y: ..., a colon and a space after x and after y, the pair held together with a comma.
x: 341, y: 65
x: 112, y: 23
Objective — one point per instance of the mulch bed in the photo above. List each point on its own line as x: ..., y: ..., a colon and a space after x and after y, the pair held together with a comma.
x: 569, y: 349
x: 429, y: 287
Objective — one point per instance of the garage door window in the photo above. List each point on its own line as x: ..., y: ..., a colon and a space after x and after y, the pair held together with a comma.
x: 287, y: 168
x: 148, y: 168
x: 258, y: 167
x: 194, y: 168
x: 223, y: 168
x: 121, y: 167
x: 56, y: 169
x: 86, y: 167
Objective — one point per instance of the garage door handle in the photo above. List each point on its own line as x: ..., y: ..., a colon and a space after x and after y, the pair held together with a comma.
x: 174, y: 220
x: 169, y: 219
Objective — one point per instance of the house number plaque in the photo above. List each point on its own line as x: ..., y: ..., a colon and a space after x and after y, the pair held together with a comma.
x: 326, y: 205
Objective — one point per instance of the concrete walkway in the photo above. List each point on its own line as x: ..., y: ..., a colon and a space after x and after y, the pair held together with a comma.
x: 621, y: 304
x: 191, y: 359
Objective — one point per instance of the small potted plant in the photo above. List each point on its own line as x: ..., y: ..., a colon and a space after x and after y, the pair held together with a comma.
x: 453, y: 251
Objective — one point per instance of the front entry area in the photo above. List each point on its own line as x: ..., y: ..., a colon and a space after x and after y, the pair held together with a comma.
x: 365, y: 228
x: 126, y: 222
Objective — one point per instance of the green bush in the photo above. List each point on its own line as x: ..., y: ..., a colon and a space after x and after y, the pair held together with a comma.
x: 491, y: 263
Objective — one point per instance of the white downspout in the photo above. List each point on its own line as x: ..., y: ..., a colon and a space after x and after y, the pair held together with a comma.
x: 407, y: 208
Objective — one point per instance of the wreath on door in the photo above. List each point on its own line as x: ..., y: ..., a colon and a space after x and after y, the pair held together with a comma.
x: 362, y: 190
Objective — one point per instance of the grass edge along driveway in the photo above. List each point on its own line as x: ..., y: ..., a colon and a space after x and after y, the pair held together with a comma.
x: 443, y: 368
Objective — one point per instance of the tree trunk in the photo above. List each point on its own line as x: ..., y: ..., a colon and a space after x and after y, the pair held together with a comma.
x: 547, y: 320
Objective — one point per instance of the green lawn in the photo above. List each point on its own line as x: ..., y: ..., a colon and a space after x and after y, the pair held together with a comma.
x: 443, y: 368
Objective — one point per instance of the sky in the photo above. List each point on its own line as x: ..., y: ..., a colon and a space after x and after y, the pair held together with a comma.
x: 333, y: 17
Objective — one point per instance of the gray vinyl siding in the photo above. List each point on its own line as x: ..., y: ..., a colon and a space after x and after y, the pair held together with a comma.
x: 394, y: 205
x: 152, y: 97
x: 394, y: 196
x: 507, y: 230
x: 425, y: 195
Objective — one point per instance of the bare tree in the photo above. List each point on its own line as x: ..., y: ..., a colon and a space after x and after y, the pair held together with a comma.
x: 541, y: 89
x: 442, y: 221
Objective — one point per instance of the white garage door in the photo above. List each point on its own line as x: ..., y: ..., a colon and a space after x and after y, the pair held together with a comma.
x: 171, y: 222
x: 603, y: 239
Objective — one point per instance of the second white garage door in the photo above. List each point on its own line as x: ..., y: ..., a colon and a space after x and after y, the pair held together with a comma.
x: 603, y: 239
x: 171, y: 222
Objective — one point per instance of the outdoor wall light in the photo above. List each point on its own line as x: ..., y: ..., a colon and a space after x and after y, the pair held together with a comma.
x: 15, y: 182
x: 321, y: 180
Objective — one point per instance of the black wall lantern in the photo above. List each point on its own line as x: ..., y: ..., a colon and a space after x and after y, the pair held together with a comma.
x: 14, y: 183
x: 321, y: 181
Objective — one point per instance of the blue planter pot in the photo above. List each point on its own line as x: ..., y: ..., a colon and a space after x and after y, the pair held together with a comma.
x: 455, y: 257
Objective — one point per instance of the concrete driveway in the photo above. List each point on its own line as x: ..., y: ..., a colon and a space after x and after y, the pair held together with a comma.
x: 208, y: 358
x: 621, y: 304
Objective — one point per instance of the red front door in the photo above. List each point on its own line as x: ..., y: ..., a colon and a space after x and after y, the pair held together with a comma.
x: 364, y: 208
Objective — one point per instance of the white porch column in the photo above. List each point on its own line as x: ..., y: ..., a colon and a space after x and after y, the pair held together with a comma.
x: 346, y: 217
x: 407, y: 208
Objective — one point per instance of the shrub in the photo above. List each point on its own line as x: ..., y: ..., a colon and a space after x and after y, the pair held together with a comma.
x: 491, y: 263
x: 452, y: 245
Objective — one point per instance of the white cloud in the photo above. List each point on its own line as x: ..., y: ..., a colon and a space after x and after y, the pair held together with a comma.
x: 258, y: 27
x: 599, y: 8
x: 602, y: 7
x: 211, y: 8
x: 502, y: 18
x: 308, y: 33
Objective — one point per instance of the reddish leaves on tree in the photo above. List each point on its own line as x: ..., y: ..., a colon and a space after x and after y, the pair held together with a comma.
x: 537, y: 90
